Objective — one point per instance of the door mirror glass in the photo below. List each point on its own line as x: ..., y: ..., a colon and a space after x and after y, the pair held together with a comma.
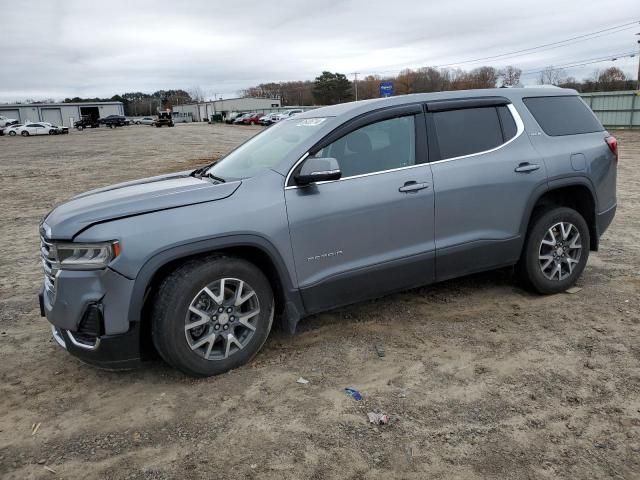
x: 318, y: 170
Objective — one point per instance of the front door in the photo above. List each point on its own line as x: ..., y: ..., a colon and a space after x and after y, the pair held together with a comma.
x: 371, y: 232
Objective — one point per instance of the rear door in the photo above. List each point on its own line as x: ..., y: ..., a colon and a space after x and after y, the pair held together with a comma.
x: 484, y: 171
x: 371, y: 232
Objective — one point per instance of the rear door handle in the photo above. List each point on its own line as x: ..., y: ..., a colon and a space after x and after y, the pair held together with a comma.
x: 413, y: 186
x: 526, y: 167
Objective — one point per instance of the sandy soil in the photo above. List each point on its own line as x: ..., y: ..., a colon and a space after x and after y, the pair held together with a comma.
x: 481, y: 379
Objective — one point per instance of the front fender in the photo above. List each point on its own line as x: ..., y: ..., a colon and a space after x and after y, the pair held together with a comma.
x: 293, y: 302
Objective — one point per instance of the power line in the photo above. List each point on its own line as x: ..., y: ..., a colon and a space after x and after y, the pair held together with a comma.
x: 589, y: 61
x: 546, y: 46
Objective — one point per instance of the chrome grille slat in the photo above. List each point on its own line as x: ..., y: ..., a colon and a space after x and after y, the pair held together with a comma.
x: 49, y: 266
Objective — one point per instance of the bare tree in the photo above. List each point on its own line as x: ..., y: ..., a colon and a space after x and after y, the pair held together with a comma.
x: 510, y: 76
x: 197, y: 94
x: 551, y: 76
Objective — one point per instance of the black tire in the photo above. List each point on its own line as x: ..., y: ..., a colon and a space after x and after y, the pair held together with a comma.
x: 24, y: 133
x: 172, y: 301
x: 529, y: 267
x: 12, y: 133
x: 52, y: 132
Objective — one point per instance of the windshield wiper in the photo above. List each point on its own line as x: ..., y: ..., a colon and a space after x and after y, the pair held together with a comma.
x: 213, y: 177
x: 199, y: 172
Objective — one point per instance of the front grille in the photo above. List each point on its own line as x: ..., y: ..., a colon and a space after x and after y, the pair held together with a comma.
x: 49, y: 265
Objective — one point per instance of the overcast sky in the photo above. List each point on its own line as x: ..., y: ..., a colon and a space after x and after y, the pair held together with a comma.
x: 56, y: 49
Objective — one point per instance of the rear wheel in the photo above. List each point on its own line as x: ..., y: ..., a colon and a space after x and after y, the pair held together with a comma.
x: 556, y: 250
x: 25, y: 133
x: 212, y: 315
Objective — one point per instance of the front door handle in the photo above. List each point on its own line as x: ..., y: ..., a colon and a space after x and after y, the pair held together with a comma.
x: 413, y: 186
x: 526, y: 167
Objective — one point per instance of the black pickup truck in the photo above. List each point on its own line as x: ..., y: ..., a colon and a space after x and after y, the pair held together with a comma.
x: 86, y: 121
x: 114, y: 121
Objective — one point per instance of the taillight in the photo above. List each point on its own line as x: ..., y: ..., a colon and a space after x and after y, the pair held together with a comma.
x: 612, y: 143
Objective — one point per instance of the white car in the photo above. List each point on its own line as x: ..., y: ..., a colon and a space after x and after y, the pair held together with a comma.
x: 145, y: 121
x: 4, y: 121
x: 11, y: 129
x: 287, y: 114
x: 35, y: 129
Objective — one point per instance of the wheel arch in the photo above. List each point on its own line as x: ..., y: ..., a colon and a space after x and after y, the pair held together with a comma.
x: 252, y: 248
x: 575, y: 192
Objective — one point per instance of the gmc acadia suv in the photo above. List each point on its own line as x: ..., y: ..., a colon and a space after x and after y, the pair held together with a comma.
x: 326, y: 208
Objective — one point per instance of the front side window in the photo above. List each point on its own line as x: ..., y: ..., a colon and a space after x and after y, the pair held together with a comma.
x: 467, y: 131
x: 380, y: 146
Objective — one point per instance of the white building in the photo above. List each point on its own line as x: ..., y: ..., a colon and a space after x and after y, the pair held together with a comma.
x: 202, y: 112
x: 60, y: 113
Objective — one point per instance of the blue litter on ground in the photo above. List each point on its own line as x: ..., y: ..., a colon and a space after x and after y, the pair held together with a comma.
x: 353, y: 393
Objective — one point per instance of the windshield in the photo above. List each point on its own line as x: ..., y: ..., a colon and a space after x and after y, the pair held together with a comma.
x: 266, y: 149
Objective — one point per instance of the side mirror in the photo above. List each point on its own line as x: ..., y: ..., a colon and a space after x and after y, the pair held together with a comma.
x: 318, y: 170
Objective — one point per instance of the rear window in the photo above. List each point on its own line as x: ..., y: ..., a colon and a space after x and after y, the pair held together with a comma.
x: 559, y: 116
x: 463, y: 132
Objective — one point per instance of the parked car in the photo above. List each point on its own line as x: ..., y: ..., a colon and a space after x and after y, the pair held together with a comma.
x: 253, y: 119
x: 231, y: 117
x: 464, y: 181
x: 86, y: 121
x: 4, y: 121
x: 269, y: 119
x: 145, y: 121
x: 10, y: 130
x: 240, y: 118
x: 40, y: 128
x: 287, y: 114
x: 58, y: 130
x: 114, y: 121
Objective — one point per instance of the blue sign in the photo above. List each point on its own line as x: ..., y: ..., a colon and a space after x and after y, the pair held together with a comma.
x: 386, y: 89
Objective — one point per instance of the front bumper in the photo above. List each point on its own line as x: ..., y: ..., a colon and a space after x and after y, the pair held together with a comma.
x: 88, y: 311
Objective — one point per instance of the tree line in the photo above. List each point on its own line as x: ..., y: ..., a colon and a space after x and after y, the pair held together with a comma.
x: 331, y: 88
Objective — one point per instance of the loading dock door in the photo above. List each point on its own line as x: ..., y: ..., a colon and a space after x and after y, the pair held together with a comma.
x: 10, y: 114
x: 93, y: 112
x: 51, y: 115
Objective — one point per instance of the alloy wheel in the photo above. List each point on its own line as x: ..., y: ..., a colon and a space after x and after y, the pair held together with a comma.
x: 221, y: 319
x: 559, y: 251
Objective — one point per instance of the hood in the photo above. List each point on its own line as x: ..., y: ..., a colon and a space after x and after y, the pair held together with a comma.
x: 132, y: 198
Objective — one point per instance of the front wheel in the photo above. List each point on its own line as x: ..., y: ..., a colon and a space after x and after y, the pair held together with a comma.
x: 212, y: 315
x: 12, y: 133
x: 556, y: 250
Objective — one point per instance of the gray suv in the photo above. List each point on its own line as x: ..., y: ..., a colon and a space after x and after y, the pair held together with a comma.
x: 329, y: 207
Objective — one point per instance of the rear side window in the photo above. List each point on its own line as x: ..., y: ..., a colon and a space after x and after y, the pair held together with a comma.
x: 467, y: 131
x: 509, y: 128
x: 563, y: 115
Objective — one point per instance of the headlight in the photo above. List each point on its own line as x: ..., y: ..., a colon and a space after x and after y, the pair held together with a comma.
x: 86, y: 256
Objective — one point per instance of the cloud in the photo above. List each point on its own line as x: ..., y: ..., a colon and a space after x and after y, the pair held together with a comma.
x: 71, y: 48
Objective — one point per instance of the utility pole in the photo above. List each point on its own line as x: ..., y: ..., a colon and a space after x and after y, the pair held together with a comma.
x: 355, y: 82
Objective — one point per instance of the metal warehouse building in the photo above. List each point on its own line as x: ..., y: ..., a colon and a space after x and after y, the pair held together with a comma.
x: 201, y: 112
x: 60, y: 113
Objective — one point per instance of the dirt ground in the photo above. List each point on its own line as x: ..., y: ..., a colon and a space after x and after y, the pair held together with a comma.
x: 480, y: 378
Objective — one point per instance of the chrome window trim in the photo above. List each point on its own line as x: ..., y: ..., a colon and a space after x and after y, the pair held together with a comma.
x: 519, y: 131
